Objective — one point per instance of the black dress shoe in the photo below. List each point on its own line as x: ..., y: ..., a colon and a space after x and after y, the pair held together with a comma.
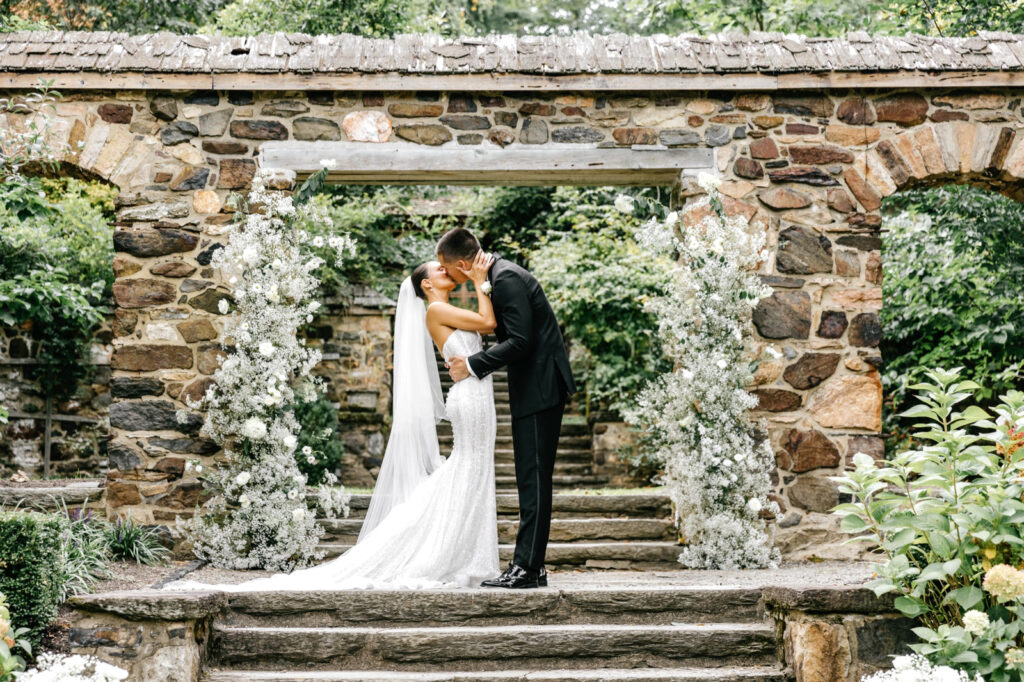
x: 515, y: 577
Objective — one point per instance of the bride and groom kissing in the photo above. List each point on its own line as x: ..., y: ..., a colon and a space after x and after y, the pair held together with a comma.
x: 431, y: 521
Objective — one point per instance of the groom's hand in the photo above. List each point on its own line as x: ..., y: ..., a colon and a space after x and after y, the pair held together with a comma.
x: 457, y: 368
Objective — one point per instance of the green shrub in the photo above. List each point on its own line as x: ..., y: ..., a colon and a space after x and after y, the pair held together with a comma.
x: 597, y: 278
x: 954, y: 270
x: 129, y: 541
x: 945, y: 514
x: 31, y: 574
x: 318, y: 440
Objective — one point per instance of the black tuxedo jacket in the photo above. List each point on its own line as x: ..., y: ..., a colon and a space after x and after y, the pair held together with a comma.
x: 529, y: 343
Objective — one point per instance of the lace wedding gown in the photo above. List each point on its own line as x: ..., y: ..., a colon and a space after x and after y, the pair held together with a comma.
x: 446, y: 533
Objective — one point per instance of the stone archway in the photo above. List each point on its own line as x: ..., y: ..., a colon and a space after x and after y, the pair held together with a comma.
x: 807, y: 151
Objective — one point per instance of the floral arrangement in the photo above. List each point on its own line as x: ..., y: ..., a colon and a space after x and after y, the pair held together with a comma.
x: 716, y: 461
x: 918, y: 669
x: 61, y: 668
x: 949, y: 519
x: 260, y: 516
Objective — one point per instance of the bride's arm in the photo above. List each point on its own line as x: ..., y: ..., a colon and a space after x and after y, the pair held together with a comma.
x: 458, y: 318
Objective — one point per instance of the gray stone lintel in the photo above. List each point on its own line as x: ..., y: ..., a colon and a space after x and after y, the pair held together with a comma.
x: 837, y: 600
x: 553, y: 164
x: 153, y: 604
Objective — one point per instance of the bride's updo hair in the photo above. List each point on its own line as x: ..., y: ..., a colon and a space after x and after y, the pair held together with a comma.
x: 421, y: 273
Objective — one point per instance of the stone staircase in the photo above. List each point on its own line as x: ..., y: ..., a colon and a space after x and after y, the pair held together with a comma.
x: 573, y: 466
x: 588, y: 531
x: 597, y: 632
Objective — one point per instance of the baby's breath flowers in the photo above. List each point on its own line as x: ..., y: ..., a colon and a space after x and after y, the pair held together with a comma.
x: 716, y: 461
x: 259, y: 518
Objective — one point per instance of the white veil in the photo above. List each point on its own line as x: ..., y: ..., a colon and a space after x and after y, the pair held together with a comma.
x: 412, y: 452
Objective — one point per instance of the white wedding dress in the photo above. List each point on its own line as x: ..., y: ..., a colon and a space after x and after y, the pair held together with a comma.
x: 445, y: 533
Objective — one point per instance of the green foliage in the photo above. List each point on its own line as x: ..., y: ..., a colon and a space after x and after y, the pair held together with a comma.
x: 393, y: 234
x: 597, y: 279
x: 319, y: 422
x: 131, y: 16
x: 30, y: 557
x: 373, y: 18
x: 62, y: 316
x: 129, y: 541
x: 84, y: 550
x: 945, y: 513
x: 55, y: 254
x: 11, y: 639
x: 954, y: 269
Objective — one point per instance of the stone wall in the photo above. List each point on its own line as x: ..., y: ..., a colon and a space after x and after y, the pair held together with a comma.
x: 810, y: 168
x: 79, y: 429
x: 837, y: 634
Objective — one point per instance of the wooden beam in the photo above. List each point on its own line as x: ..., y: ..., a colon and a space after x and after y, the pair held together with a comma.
x: 551, y: 164
x: 512, y: 82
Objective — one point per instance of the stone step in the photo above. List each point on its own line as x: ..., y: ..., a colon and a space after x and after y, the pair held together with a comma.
x: 566, y: 455
x: 507, y: 467
x: 572, y: 431
x: 574, y: 604
x: 597, y: 555
x: 562, y: 530
x: 633, y: 505
x: 495, y: 647
x: 729, y: 674
x: 568, y: 482
x: 504, y: 440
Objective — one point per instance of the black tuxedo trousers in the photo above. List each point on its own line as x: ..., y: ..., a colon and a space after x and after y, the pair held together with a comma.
x: 534, y: 443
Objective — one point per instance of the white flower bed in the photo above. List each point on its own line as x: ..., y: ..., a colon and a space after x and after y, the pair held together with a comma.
x: 61, y: 668
x: 917, y: 669
x: 716, y: 461
x: 259, y: 519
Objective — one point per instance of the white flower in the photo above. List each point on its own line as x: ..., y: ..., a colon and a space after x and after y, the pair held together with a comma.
x: 299, y: 514
x: 299, y: 478
x: 314, y: 306
x: 222, y: 306
x: 266, y: 349
x: 671, y: 219
x: 311, y: 459
x: 251, y: 255
x: 976, y: 622
x: 686, y: 374
x: 244, y: 501
x: 292, y: 494
x: 624, y: 203
x: 772, y: 352
x: 708, y: 182
x: 754, y: 505
x: 862, y: 461
x: 198, y: 468
x: 188, y: 465
x: 306, y: 450
x: 290, y: 441
x: 328, y: 163
x: 722, y: 364
x: 318, y: 241
x: 254, y: 428
x: 243, y: 477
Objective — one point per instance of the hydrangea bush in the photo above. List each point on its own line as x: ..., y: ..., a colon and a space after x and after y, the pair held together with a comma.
x: 260, y: 516
x: 716, y: 461
x: 948, y: 517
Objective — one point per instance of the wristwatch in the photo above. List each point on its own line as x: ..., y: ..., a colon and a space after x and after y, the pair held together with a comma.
x: 485, y: 288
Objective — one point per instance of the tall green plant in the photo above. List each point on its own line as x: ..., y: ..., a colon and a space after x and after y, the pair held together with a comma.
x: 942, y: 515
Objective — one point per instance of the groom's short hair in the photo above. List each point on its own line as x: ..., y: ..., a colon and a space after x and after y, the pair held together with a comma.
x: 458, y: 244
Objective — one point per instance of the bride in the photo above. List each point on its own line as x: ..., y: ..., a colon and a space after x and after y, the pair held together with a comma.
x: 431, y: 522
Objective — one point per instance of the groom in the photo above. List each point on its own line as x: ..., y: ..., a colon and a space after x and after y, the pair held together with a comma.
x: 540, y: 381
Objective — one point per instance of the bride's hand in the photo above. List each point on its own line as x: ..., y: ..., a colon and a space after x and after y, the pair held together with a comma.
x: 481, y: 265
